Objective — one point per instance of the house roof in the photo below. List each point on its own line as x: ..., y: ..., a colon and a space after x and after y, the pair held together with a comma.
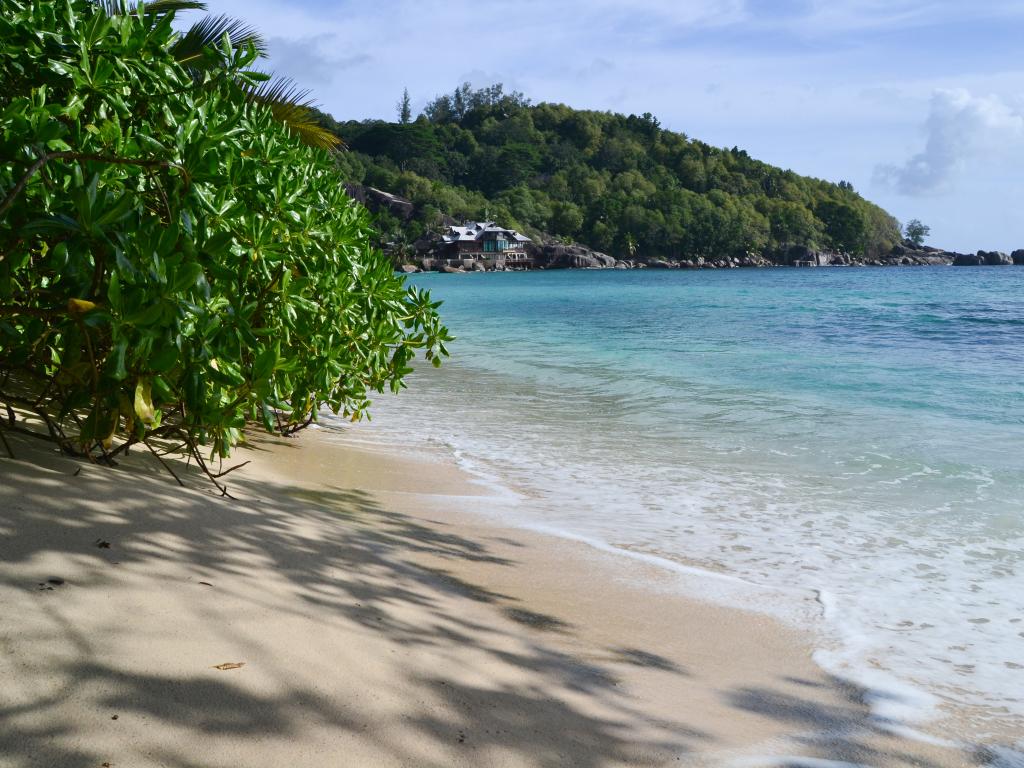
x: 475, y: 230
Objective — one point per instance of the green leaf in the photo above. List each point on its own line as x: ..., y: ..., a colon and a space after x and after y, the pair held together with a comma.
x: 121, y: 208
x: 117, y: 357
x: 114, y: 292
x: 147, y: 316
x: 164, y: 359
x: 265, y: 362
x: 187, y: 276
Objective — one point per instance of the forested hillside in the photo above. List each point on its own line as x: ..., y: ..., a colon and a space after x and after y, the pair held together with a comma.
x: 620, y: 184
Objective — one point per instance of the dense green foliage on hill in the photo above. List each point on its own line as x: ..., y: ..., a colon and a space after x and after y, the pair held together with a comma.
x: 618, y: 183
x: 173, y: 260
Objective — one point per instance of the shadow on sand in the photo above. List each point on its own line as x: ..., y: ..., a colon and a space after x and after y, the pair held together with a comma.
x: 340, y: 557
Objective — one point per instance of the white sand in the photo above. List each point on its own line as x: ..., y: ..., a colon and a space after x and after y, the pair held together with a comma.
x: 379, y: 624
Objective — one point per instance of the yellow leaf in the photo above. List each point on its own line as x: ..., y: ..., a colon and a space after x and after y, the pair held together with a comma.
x: 113, y: 419
x: 80, y: 306
x: 144, y: 403
x: 230, y: 665
x: 128, y: 412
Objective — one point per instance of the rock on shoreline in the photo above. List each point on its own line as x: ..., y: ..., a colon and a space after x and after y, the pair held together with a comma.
x: 576, y: 256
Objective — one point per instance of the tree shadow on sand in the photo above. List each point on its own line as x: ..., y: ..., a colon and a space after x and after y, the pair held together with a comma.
x: 845, y: 732
x: 338, y: 553
x: 341, y: 559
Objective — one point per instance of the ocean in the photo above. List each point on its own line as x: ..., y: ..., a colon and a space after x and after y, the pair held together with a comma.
x: 843, y: 446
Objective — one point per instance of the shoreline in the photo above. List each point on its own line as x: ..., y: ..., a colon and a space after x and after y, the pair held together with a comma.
x: 924, y: 259
x: 897, y: 719
x: 380, y: 619
x: 903, y: 708
x: 762, y: 427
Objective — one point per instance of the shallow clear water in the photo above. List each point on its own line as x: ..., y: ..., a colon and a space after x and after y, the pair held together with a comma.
x: 852, y: 433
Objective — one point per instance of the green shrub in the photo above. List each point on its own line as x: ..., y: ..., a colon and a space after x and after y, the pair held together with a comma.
x: 172, y: 260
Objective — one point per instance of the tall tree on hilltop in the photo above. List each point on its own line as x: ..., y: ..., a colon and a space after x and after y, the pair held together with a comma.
x: 405, y: 109
x: 916, y: 232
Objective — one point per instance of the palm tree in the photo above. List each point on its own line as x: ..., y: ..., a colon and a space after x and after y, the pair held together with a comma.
x: 197, y: 51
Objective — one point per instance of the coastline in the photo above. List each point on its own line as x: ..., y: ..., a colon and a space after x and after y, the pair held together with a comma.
x: 893, y: 705
x: 379, y: 619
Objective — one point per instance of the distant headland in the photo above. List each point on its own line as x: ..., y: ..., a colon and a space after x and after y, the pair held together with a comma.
x: 593, y: 189
x: 487, y: 246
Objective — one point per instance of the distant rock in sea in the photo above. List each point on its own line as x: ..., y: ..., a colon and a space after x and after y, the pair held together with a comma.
x: 988, y: 259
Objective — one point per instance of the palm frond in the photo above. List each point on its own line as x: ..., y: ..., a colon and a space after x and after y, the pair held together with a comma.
x: 161, y: 7
x: 156, y: 7
x: 195, y: 51
x: 294, y: 107
x: 112, y: 7
x: 190, y: 49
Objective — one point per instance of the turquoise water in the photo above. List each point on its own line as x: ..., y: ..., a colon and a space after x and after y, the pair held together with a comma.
x: 852, y: 434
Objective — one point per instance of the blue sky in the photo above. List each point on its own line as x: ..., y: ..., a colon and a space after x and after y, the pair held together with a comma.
x: 918, y: 103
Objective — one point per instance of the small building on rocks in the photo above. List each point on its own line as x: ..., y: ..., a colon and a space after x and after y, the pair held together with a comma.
x: 485, y: 242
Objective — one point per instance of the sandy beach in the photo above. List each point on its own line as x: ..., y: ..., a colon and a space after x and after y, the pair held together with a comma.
x: 650, y: 395
x: 368, y: 617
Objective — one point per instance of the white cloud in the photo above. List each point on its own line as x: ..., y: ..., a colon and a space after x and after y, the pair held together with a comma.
x: 831, y: 16
x: 960, y: 127
x: 309, y: 61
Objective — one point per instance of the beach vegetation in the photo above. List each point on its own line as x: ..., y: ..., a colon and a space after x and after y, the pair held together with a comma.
x: 176, y: 260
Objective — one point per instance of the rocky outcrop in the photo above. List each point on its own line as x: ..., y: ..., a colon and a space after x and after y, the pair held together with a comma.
x: 936, y: 260
x: 377, y: 199
x: 1018, y: 257
x: 995, y: 258
x: 560, y: 256
x: 987, y: 259
x: 555, y: 255
x: 968, y: 260
x: 905, y: 255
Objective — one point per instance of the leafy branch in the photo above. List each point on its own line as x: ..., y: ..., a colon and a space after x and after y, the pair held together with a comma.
x: 39, y: 163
